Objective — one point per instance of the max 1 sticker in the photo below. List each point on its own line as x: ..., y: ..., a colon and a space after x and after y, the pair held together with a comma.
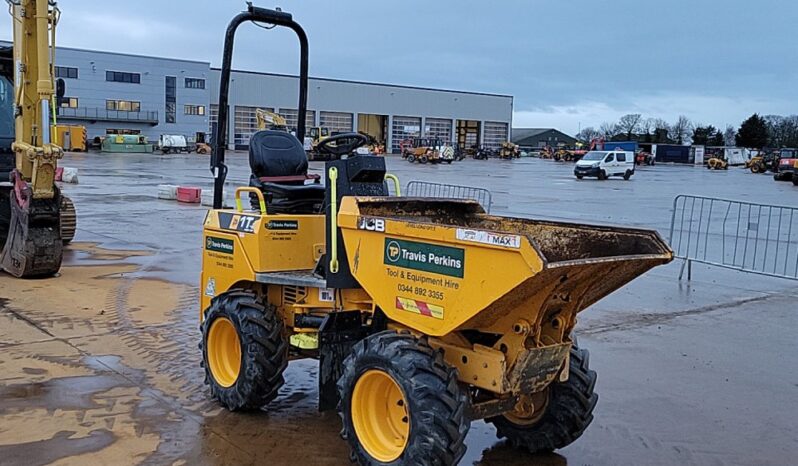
x: 283, y: 225
x: 219, y: 244
x: 487, y: 237
x: 427, y: 257
x: 419, y: 307
x: 237, y: 222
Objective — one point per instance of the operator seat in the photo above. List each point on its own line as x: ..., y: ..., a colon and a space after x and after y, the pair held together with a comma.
x: 280, y: 170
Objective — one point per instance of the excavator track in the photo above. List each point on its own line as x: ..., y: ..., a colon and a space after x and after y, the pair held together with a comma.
x: 69, y: 220
x: 33, y: 247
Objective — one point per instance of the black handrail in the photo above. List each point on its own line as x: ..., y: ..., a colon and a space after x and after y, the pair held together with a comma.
x: 259, y: 15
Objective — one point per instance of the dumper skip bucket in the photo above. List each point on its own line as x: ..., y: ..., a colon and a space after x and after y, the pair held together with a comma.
x: 440, y: 265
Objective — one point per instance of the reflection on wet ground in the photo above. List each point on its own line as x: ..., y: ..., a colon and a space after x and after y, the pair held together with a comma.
x: 100, y: 365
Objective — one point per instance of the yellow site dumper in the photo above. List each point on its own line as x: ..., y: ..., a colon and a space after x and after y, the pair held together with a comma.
x: 424, y: 313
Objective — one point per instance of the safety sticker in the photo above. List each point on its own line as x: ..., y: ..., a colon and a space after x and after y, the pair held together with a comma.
x: 486, y: 237
x: 326, y: 295
x: 419, y: 307
x: 210, y: 287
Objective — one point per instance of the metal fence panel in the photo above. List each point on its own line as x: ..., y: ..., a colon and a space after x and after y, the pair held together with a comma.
x: 452, y: 191
x: 746, y: 236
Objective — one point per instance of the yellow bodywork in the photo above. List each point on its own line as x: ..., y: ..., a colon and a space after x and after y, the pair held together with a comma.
x: 34, y: 49
x: 441, y: 268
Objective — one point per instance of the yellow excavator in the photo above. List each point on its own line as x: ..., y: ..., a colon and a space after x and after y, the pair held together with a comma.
x: 32, y: 209
x: 270, y: 120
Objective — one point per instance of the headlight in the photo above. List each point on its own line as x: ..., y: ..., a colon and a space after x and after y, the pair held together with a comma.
x: 596, y: 165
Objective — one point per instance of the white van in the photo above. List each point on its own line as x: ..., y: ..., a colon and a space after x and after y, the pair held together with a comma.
x: 606, y: 163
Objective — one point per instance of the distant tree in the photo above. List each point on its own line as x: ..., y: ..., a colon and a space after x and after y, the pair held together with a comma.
x: 629, y: 125
x: 608, y: 130
x: 716, y: 139
x: 588, y: 134
x: 702, y: 134
x: 753, y: 132
x: 646, y: 125
x: 782, y: 131
x: 681, y: 129
x: 730, y: 136
x: 661, y: 131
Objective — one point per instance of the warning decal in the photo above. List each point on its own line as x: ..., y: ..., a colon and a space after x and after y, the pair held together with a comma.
x: 419, y: 307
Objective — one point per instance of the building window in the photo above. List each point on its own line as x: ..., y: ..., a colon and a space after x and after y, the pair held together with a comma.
x: 194, y: 110
x: 404, y: 128
x: 122, y: 77
x: 69, y: 102
x: 123, y: 105
x: 195, y: 83
x: 171, y: 99
x: 66, y: 72
x: 337, y: 122
x: 292, y: 118
x: 496, y: 133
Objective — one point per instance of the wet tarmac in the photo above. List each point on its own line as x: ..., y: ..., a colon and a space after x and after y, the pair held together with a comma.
x: 100, y: 365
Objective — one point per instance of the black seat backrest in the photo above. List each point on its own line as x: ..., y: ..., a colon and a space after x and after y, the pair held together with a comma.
x: 276, y: 153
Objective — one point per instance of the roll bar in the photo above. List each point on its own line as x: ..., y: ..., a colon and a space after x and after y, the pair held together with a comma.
x: 257, y: 15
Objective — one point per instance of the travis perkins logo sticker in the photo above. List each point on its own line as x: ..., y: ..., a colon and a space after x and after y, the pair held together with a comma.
x: 219, y: 245
x: 426, y: 257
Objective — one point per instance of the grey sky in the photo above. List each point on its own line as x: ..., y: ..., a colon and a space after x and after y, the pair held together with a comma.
x: 566, y: 62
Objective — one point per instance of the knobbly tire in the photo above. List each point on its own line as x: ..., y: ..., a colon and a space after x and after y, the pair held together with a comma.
x: 568, y: 411
x: 426, y: 389
x: 263, y: 350
x: 69, y: 220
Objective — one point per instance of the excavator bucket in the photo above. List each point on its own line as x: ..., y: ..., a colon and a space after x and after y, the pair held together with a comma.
x: 31, y: 231
x: 442, y: 265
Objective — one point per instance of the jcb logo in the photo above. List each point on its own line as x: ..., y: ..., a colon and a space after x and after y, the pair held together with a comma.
x: 371, y: 224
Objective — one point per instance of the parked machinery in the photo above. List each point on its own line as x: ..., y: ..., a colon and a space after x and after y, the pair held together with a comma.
x: 424, y: 313
x: 763, y: 163
x: 644, y: 158
x: 35, y: 218
x: 270, y: 120
x: 717, y: 162
x: 426, y: 150
x: 508, y: 150
x: 786, y: 167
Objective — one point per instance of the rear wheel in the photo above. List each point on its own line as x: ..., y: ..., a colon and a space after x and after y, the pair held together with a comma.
x: 627, y: 175
x: 556, y: 417
x: 244, y: 351
x: 795, y: 180
x: 423, y: 159
x: 401, y: 403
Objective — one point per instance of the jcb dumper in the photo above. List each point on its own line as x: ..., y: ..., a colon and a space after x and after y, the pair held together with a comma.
x: 424, y: 313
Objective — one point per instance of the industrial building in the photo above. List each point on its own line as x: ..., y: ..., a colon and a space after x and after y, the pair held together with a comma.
x: 118, y: 93
x: 536, y: 138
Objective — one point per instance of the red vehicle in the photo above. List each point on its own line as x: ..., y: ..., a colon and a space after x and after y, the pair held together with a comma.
x: 786, y: 169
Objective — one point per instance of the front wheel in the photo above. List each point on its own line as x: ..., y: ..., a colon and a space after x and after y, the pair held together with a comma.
x: 579, y: 177
x: 556, y: 417
x: 423, y: 159
x: 795, y: 180
x: 401, y: 403
x: 244, y: 351
x: 602, y: 175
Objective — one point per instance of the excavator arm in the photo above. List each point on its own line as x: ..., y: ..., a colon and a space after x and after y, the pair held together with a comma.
x: 33, y: 243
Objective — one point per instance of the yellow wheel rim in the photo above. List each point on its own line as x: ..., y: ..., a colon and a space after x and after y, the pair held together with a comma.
x: 224, y: 352
x: 379, y: 414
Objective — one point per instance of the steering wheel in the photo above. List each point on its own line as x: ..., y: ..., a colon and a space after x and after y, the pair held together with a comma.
x: 342, y: 144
